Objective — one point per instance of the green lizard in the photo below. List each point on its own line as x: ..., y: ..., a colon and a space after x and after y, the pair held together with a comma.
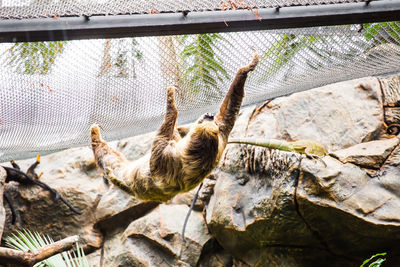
x: 309, y: 148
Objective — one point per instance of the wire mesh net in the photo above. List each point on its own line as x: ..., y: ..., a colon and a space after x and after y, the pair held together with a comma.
x: 57, y: 8
x: 51, y: 92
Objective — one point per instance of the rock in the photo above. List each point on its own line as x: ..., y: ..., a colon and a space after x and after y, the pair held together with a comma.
x: 289, y: 257
x: 391, y: 89
x: 275, y: 208
x: 369, y: 154
x: 137, y: 146
x: 350, y: 212
x: 261, y: 212
x: 94, y: 258
x: 119, y: 253
x: 155, y: 240
x: 73, y: 174
x: 337, y: 115
x: 117, y: 209
x: 218, y: 259
x: 392, y: 114
x: 214, y: 255
x: 187, y: 199
x: 208, y: 188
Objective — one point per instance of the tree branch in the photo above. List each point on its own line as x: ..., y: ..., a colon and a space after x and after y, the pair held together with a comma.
x: 30, y: 258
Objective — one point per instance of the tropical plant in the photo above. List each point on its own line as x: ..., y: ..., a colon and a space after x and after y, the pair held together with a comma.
x: 34, y: 57
x: 318, y: 48
x: 315, y: 49
x: 120, y: 57
x: 382, y: 32
x: 203, y: 67
x: 28, y: 240
x: 377, y: 259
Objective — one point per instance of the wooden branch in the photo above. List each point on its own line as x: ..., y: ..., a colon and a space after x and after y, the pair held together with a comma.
x: 30, y: 258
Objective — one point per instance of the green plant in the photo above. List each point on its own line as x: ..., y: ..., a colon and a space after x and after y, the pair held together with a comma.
x: 287, y: 46
x: 203, y: 66
x: 34, y: 57
x: 384, y: 32
x: 377, y: 259
x: 28, y: 240
x: 120, y: 57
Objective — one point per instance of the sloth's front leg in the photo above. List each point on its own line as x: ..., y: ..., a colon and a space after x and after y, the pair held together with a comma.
x: 160, y: 159
x: 168, y: 129
x: 230, y: 107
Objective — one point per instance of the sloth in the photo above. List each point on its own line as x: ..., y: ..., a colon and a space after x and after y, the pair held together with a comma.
x: 180, y: 158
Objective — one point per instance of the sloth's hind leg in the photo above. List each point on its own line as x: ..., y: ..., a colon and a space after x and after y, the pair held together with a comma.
x: 105, y: 156
x: 110, y: 161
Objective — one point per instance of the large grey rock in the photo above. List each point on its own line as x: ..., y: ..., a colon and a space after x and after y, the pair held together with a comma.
x: 117, y: 209
x: 337, y: 115
x: 73, y: 174
x: 275, y: 208
x: 351, y: 212
x: 369, y: 154
x: 155, y: 240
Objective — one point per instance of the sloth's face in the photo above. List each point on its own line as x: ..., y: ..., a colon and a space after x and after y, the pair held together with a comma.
x: 208, y: 117
x: 206, y: 126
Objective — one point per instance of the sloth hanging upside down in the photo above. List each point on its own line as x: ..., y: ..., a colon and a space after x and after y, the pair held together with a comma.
x: 175, y: 164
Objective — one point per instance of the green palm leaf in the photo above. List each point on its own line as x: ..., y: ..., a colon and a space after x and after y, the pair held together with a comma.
x: 34, y: 57
x: 27, y: 240
x: 203, y: 66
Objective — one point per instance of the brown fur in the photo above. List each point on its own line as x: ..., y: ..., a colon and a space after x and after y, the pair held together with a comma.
x: 175, y: 164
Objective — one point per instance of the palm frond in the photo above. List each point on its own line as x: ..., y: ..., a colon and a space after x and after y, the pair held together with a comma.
x: 26, y: 240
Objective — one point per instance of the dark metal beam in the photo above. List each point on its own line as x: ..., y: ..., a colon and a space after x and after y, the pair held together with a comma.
x: 73, y: 28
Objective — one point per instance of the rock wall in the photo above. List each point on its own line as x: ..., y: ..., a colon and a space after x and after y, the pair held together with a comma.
x: 260, y: 207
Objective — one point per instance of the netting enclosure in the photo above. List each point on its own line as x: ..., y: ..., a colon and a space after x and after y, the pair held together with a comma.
x: 52, y: 91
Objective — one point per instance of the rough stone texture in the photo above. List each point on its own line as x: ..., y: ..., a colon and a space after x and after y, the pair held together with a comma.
x: 117, y: 208
x: 349, y: 210
x: 392, y: 115
x: 215, y: 256
x: 369, y: 154
x: 73, y: 174
x: 337, y: 115
x: 390, y: 89
x: 159, y: 231
x: 274, y: 208
x: 187, y: 198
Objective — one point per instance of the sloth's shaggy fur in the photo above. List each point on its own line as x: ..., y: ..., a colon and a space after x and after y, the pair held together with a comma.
x: 175, y: 164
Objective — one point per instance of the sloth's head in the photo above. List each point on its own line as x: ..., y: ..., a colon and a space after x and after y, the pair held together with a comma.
x: 206, y: 127
x: 208, y: 117
x: 203, y: 142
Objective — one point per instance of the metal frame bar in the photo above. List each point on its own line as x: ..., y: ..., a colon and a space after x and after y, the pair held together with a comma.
x: 75, y: 28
